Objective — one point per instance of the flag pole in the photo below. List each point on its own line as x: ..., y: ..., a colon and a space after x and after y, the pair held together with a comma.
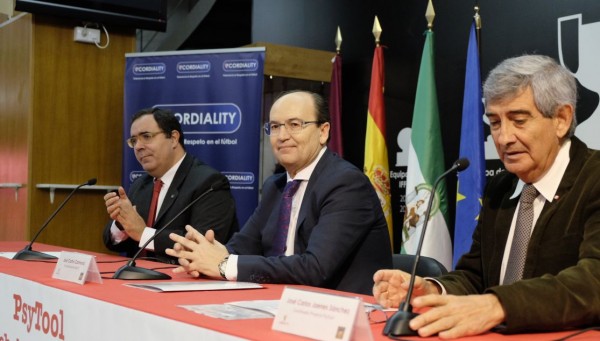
x: 477, y: 19
x: 335, y: 99
x: 338, y: 41
x: 430, y: 15
x: 377, y: 31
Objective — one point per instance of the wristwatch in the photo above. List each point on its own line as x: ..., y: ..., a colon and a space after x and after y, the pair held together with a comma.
x: 223, y: 266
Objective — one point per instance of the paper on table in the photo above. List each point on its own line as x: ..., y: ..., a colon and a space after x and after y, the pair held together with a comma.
x: 268, y: 306
x: 240, y: 310
x: 169, y: 286
x: 253, y: 309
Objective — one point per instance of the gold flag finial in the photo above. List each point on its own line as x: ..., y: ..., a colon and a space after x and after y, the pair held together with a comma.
x: 377, y: 30
x: 429, y: 15
x: 338, y: 41
x: 477, y: 17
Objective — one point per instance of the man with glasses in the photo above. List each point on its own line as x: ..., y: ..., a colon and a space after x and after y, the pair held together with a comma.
x: 328, y: 232
x: 173, y: 179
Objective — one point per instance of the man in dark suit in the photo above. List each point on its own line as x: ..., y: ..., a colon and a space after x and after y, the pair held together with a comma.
x: 337, y: 235
x: 553, y: 284
x: 157, y: 140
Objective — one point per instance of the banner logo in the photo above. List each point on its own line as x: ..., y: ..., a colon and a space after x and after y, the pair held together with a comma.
x: 240, y: 65
x: 36, y: 317
x: 136, y: 174
x: 586, y: 66
x: 149, y: 69
x: 209, y: 118
x: 239, y: 178
x: 193, y: 67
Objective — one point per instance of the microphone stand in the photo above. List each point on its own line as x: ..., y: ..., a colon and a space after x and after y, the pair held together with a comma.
x: 397, y: 324
x: 130, y: 271
x: 28, y: 253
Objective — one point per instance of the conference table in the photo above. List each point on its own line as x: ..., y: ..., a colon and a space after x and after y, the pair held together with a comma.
x: 36, y: 306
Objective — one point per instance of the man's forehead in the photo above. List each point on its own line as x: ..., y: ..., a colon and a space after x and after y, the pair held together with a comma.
x: 286, y: 110
x: 143, y: 123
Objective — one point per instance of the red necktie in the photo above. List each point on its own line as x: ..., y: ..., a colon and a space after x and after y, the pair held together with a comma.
x: 154, y: 203
x: 285, y: 211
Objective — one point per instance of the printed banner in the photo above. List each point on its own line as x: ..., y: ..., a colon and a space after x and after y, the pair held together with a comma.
x: 33, y: 311
x: 216, y: 95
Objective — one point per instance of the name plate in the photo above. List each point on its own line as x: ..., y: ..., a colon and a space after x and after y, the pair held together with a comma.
x: 77, y: 267
x: 321, y: 316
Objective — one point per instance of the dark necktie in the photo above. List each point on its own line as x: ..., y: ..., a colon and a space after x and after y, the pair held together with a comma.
x: 522, y: 234
x: 154, y: 203
x: 285, y: 211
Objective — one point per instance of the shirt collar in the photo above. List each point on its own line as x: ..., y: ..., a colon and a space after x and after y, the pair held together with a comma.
x: 168, y: 177
x: 307, y: 171
x: 547, y: 185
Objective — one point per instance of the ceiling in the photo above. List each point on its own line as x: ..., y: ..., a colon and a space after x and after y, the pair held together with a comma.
x: 201, y: 24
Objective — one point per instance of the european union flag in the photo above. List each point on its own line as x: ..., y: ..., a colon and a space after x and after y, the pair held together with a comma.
x: 472, y: 180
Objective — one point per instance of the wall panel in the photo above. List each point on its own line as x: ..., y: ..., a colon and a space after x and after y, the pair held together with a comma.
x: 15, y: 85
x: 61, y: 122
x: 76, y: 127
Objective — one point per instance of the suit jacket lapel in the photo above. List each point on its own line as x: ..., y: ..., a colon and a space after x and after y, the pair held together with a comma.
x: 143, y: 196
x: 501, y: 230
x: 271, y: 225
x: 312, y: 184
x: 576, y: 163
x: 173, y: 190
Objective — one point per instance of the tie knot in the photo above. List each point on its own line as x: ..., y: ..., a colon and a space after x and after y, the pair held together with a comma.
x: 528, y: 194
x: 291, y: 187
x: 157, y: 185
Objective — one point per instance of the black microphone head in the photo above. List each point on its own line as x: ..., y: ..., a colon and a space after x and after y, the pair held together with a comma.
x: 461, y: 164
x: 91, y: 182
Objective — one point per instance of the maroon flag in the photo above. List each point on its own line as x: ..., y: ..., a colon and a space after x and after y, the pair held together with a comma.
x: 335, y: 106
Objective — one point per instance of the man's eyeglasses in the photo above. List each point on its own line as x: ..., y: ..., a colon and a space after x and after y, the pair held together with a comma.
x: 144, y: 138
x: 376, y: 314
x: 293, y: 126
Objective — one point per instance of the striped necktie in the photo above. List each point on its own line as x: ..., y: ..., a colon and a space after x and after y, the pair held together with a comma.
x: 521, y: 236
x: 283, y: 223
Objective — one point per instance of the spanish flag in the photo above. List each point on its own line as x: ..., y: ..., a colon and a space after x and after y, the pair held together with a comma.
x: 376, y: 154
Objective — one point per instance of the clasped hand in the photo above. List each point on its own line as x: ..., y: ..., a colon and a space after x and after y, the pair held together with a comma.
x: 448, y: 316
x: 197, y: 254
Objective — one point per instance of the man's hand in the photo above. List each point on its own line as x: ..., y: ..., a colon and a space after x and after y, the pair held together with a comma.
x: 452, y: 316
x: 197, y: 254
x: 391, y: 287
x: 120, y: 209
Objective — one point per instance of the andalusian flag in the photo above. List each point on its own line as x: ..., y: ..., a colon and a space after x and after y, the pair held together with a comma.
x: 471, y: 181
x: 376, y: 155
x: 425, y: 164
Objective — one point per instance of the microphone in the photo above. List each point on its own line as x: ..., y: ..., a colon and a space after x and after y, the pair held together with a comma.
x: 397, y: 324
x: 132, y: 272
x: 27, y: 253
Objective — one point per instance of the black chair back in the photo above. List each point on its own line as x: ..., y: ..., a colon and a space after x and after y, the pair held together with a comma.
x: 427, y: 267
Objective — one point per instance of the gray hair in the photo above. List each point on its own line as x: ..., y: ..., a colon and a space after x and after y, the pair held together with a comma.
x: 552, y: 84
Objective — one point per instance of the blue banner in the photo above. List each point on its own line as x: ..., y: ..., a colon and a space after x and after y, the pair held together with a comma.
x: 217, y: 97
